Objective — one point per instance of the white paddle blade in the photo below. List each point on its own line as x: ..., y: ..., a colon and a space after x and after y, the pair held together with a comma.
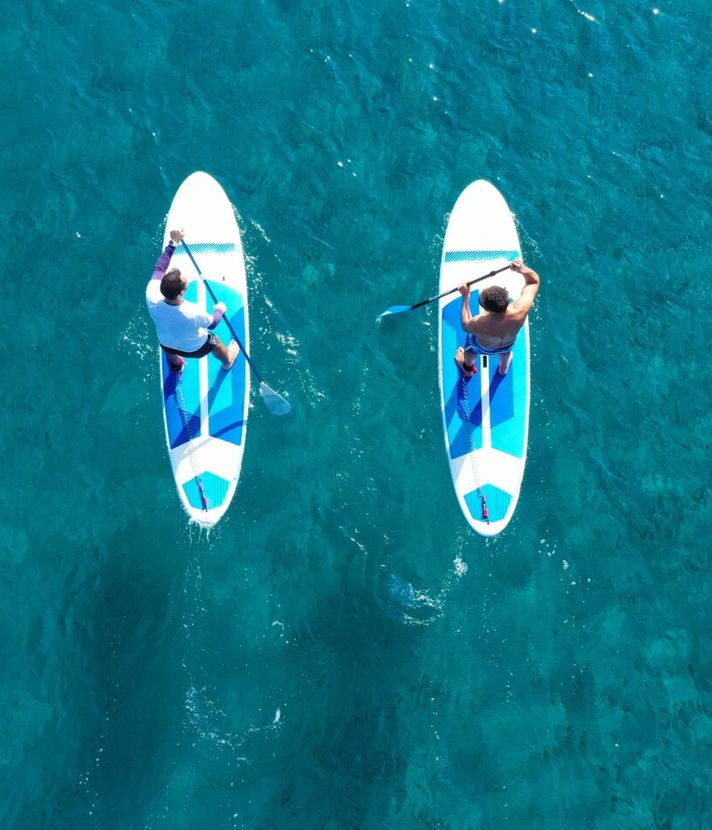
x: 276, y: 404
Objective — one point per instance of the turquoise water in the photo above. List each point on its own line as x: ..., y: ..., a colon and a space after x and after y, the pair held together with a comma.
x: 342, y: 651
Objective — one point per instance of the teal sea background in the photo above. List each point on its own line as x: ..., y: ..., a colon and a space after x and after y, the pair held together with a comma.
x: 342, y: 652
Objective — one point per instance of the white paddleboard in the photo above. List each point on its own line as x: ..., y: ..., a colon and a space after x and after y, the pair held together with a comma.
x: 485, y: 419
x: 205, y: 408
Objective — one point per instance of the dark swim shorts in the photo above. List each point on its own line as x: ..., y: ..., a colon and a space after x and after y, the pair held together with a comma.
x: 206, y: 348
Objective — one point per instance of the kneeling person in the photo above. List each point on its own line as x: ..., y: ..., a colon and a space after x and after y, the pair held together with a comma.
x: 182, y: 326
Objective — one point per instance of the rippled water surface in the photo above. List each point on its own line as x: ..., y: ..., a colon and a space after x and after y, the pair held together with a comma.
x: 342, y: 651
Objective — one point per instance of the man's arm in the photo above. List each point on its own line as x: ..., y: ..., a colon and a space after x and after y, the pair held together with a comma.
x: 163, y: 261
x: 466, y: 319
x: 532, y: 282
x: 218, y: 310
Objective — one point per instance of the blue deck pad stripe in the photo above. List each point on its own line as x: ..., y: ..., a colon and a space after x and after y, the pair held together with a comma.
x: 191, y: 293
x: 226, y: 395
x: 508, y: 404
x: 191, y: 392
x: 215, y: 489
x: 204, y: 248
x: 497, y: 503
x: 479, y: 256
x: 190, y: 387
x: 463, y: 415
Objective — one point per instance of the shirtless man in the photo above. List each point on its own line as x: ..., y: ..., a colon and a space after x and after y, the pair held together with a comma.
x: 182, y: 326
x: 494, y: 330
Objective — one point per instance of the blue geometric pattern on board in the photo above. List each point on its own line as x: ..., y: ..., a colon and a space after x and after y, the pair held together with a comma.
x: 215, y: 489
x: 508, y: 400
x: 463, y: 415
x: 226, y: 395
x: 479, y: 256
x: 507, y: 395
x: 189, y: 393
x: 497, y: 503
x: 191, y: 293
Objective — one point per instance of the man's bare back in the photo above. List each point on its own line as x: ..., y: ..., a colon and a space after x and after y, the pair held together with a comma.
x: 495, y: 328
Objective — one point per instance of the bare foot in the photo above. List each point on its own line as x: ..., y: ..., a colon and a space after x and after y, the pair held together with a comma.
x: 504, y: 361
x: 468, y: 370
x: 232, y: 352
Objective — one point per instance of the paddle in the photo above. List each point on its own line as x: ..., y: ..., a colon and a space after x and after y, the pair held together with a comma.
x: 397, y: 309
x: 276, y: 404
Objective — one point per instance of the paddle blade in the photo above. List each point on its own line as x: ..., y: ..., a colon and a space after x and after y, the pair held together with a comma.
x: 276, y: 404
x: 394, y: 309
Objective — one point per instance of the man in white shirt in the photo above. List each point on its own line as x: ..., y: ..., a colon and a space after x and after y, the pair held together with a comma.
x: 182, y: 326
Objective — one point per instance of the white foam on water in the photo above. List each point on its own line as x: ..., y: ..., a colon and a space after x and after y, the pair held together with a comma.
x: 583, y: 13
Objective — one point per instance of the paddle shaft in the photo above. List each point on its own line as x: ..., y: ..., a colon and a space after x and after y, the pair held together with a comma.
x: 225, y: 317
x: 452, y: 290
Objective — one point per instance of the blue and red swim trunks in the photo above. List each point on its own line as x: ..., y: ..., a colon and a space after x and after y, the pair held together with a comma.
x: 473, y: 345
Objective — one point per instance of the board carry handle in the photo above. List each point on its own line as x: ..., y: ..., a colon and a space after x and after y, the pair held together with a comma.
x: 276, y: 404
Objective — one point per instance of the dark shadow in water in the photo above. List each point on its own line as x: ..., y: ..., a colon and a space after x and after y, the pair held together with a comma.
x: 351, y: 735
x: 134, y: 684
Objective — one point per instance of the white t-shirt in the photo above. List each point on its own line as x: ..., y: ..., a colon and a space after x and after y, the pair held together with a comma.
x: 182, y: 327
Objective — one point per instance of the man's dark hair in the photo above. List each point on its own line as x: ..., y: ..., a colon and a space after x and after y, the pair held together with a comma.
x: 495, y: 298
x: 172, y: 284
